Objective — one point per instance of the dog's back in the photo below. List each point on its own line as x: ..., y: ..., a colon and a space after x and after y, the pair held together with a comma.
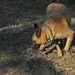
x: 58, y: 11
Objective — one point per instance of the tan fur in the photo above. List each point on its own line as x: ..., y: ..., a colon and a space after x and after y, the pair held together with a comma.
x: 40, y: 40
x: 58, y: 6
x: 55, y: 29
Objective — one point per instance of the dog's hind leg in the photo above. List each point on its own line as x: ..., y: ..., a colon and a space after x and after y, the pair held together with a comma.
x: 68, y: 43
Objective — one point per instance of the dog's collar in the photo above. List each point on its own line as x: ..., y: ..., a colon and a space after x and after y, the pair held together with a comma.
x: 46, y: 30
x: 49, y: 43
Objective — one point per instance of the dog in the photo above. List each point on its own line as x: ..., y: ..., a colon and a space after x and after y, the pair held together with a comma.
x: 56, y: 26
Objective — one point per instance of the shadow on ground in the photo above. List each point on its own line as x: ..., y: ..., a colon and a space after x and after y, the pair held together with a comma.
x: 34, y: 66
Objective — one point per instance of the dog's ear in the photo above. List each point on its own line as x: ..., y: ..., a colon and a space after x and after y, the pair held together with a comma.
x: 38, y: 30
x: 36, y: 26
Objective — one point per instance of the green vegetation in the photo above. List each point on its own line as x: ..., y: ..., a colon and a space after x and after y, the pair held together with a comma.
x: 4, y: 59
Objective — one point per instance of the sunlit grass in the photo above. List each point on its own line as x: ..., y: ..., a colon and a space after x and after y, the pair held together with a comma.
x: 11, y: 27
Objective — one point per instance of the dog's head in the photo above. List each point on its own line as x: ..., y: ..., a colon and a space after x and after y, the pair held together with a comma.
x: 39, y: 35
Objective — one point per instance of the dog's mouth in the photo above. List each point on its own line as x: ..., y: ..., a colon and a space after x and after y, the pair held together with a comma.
x: 47, y: 44
x: 36, y: 46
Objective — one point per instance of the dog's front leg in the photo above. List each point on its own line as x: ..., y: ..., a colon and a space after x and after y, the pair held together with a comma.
x: 59, y: 51
x: 41, y: 47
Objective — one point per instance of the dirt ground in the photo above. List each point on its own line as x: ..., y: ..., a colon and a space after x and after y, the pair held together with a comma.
x: 17, y: 56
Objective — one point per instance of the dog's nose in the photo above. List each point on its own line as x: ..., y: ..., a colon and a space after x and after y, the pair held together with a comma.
x: 33, y: 42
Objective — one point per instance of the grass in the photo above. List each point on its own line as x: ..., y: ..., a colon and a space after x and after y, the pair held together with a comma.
x: 16, y: 53
x: 4, y: 59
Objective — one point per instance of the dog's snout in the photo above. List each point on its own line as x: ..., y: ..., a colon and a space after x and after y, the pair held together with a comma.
x: 33, y: 42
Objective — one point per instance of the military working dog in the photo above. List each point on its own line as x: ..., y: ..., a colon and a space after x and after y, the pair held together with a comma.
x: 56, y: 26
